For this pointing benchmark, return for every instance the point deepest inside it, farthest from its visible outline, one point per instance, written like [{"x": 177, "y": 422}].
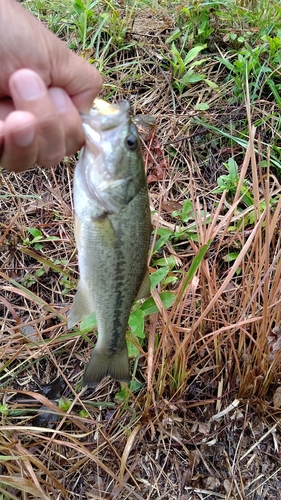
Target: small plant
[
  {"x": 38, "y": 238},
  {"x": 183, "y": 66},
  {"x": 85, "y": 19},
  {"x": 101, "y": 29},
  {"x": 256, "y": 66},
  {"x": 64, "y": 403},
  {"x": 194, "y": 22},
  {"x": 229, "y": 182},
  {"x": 30, "y": 279}
]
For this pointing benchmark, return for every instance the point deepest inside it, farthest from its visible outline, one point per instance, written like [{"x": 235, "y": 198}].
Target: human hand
[{"x": 43, "y": 87}]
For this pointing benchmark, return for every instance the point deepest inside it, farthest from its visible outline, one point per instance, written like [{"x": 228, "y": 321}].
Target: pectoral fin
[
  {"x": 77, "y": 231},
  {"x": 105, "y": 231},
  {"x": 144, "y": 290},
  {"x": 81, "y": 307}
]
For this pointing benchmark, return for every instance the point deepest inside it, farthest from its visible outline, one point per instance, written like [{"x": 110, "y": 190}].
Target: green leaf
[
  {"x": 79, "y": 6},
  {"x": 191, "y": 77},
  {"x": 135, "y": 385},
  {"x": 193, "y": 268},
  {"x": 37, "y": 238},
  {"x": 166, "y": 261},
  {"x": 136, "y": 323},
  {"x": 39, "y": 272},
  {"x": 165, "y": 235},
  {"x": 149, "y": 306},
  {"x": 175, "y": 52},
  {"x": 211, "y": 84},
  {"x": 231, "y": 256},
  {"x": 122, "y": 395},
  {"x": 174, "y": 36},
  {"x": 34, "y": 232},
  {"x": 133, "y": 351},
  {"x": 170, "y": 279},
  {"x": 84, "y": 414},
  {"x": 187, "y": 209},
  {"x": 232, "y": 168},
  {"x": 88, "y": 324},
  {"x": 64, "y": 403},
  {"x": 158, "y": 276},
  {"x": 52, "y": 238},
  {"x": 227, "y": 63},
  {"x": 202, "y": 106},
  {"x": 4, "y": 409},
  {"x": 193, "y": 53}
]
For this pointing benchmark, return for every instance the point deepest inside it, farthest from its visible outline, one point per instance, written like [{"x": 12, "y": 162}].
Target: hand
[{"x": 43, "y": 87}]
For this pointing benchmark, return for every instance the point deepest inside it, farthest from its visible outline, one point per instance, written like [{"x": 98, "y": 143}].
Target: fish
[{"x": 112, "y": 233}]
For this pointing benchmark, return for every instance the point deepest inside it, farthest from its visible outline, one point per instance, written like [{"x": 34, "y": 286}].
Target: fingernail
[
  {"x": 28, "y": 85},
  {"x": 23, "y": 137},
  {"x": 60, "y": 99}
]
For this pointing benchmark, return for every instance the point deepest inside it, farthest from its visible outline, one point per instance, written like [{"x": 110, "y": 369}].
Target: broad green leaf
[
  {"x": 166, "y": 261},
  {"x": 133, "y": 351},
  {"x": 170, "y": 279},
  {"x": 35, "y": 232},
  {"x": 164, "y": 234},
  {"x": 88, "y": 324},
  {"x": 79, "y": 6},
  {"x": 231, "y": 256},
  {"x": 232, "y": 168},
  {"x": 135, "y": 385},
  {"x": 136, "y": 323},
  {"x": 175, "y": 52},
  {"x": 193, "y": 53},
  {"x": 37, "y": 238},
  {"x": 191, "y": 77},
  {"x": 149, "y": 306},
  {"x": 158, "y": 276}
]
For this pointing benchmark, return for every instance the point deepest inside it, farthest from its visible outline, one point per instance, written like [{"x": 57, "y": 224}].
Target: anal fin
[{"x": 81, "y": 308}]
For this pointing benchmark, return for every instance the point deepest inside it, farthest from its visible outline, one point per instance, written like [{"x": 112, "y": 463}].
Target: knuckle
[{"x": 50, "y": 158}]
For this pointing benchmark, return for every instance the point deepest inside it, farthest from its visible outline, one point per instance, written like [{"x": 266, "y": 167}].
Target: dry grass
[{"x": 205, "y": 422}]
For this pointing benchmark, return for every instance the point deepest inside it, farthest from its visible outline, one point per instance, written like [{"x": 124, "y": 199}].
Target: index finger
[{"x": 76, "y": 76}]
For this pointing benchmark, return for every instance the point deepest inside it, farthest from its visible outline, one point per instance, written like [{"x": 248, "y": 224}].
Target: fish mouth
[{"x": 105, "y": 116}]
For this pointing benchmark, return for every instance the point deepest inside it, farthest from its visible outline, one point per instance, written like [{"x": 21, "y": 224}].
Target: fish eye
[{"x": 131, "y": 142}]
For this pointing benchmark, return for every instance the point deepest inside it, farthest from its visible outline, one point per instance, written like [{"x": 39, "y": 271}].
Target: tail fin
[{"x": 102, "y": 365}]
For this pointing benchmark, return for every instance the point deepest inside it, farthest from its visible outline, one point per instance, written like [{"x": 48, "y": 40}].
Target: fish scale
[{"x": 112, "y": 230}]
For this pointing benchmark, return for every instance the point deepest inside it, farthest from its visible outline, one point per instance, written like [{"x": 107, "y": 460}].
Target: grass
[{"x": 200, "y": 419}]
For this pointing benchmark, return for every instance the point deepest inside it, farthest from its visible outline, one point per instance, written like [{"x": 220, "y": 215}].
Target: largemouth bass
[{"x": 112, "y": 232}]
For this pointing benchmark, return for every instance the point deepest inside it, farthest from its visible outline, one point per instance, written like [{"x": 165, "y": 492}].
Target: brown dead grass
[{"x": 205, "y": 423}]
